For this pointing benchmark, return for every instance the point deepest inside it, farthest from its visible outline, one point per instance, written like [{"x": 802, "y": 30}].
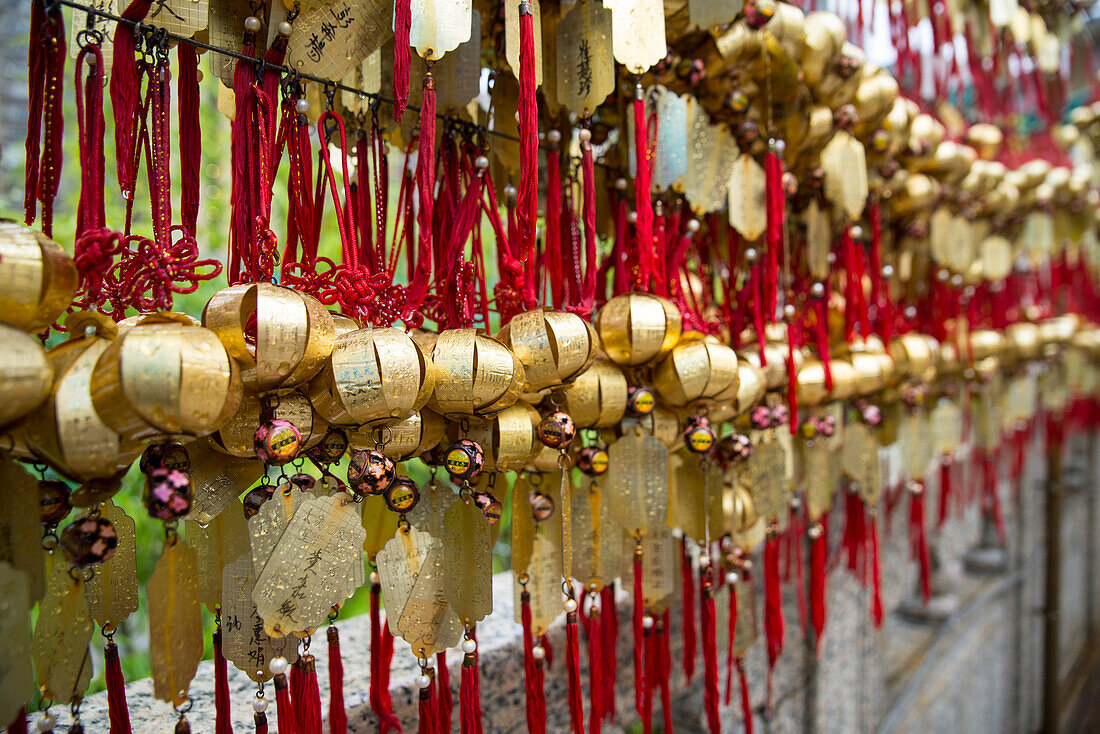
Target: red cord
[
  {"x": 573, "y": 672},
  {"x": 636, "y": 621},
  {"x": 223, "y": 719},
  {"x": 819, "y": 550},
  {"x": 687, "y": 601},
  {"x": 610, "y": 619},
  {"x": 710, "y": 652},
  {"x": 337, "y": 715},
  {"x": 445, "y": 703},
  {"x": 731, "y": 639},
  {"x": 190, "y": 136},
  {"x": 746, "y": 703},
  {"x": 773, "y": 601},
  {"x": 876, "y": 574},
  {"x": 533, "y": 672},
  {"x": 402, "y": 57},
  {"x": 643, "y": 203},
  {"x": 527, "y": 202},
  {"x": 117, "y": 709},
  {"x": 285, "y": 710},
  {"x": 918, "y": 540}
]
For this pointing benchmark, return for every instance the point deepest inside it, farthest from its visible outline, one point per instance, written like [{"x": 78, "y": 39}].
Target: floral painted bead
[
  {"x": 593, "y": 460},
  {"x": 780, "y": 415},
  {"x": 277, "y": 442},
  {"x": 735, "y": 448},
  {"x": 167, "y": 494},
  {"x": 872, "y": 414},
  {"x": 255, "y": 499},
  {"x": 53, "y": 501},
  {"x": 557, "y": 430},
  {"x": 542, "y": 506},
  {"x": 172, "y": 456},
  {"x": 89, "y": 540},
  {"x": 490, "y": 506},
  {"x": 332, "y": 447},
  {"x": 370, "y": 472},
  {"x": 761, "y": 417}
]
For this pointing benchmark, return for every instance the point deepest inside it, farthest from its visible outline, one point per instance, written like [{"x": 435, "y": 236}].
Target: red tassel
[
  {"x": 190, "y": 134},
  {"x": 945, "y": 489},
  {"x": 527, "y": 200},
  {"x": 746, "y": 702},
  {"x": 445, "y": 701},
  {"x": 307, "y": 698},
  {"x": 819, "y": 550},
  {"x": 260, "y": 719},
  {"x": 775, "y": 206},
  {"x": 918, "y": 540},
  {"x": 643, "y": 202},
  {"x": 610, "y": 618},
  {"x": 469, "y": 695},
  {"x": 287, "y": 720},
  {"x": 573, "y": 670},
  {"x": 425, "y": 186},
  {"x": 594, "y": 630},
  {"x": 117, "y": 709},
  {"x": 687, "y": 595},
  {"x": 773, "y": 601},
  {"x": 125, "y": 89},
  {"x": 45, "y": 119},
  {"x": 855, "y": 534},
  {"x": 876, "y": 573},
  {"x": 381, "y": 652},
  {"x": 428, "y": 709},
  {"x": 731, "y": 637},
  {"x": 588, "y": 215},
  {"x": 651, "y": 675},
  {"x": 337, "y": 716},
  {"x": 710, "y": 652},
  {"x": 639, "y": 632},
  {"x": 532, "y": 670},
  {"x": 223, "y": 721},
  {"x": 665, "y": 668},
  {"x": 402, "y": 56}
]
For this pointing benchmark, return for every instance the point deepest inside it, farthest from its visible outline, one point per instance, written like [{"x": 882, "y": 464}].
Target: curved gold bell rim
[
  {"x": 1025, "y": 340},
  {"x": 597, "y": 398},
  {"x": 38, "y": 279},
  {"x": 554, "y": 347},
  {"x": 986, "y": 343},
  {"x": 26, "y": 375},
  {"x": 475, "y": 375},
  {"x": 508, "y": 438},
  {"x": 638, "y": 328}
]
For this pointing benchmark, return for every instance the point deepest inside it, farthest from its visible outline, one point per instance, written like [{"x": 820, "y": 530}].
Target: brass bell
[
  {"x": 475, "y": 374},
  {"x": 38, "y": 279},
  {"x": 699, "y": 369},
  {"x": 638, "y": 328},
  {"x": 554, "y": 347}
]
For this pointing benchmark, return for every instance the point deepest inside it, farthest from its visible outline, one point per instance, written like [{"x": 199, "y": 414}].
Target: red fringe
[
  {"x": 445, "y": 700},
  {"x": 307, "y": 700},
  {"x": 819, "y": 551},
  {"x": 876, "y": 574},
  {"x": 642, "y": 200},
  {"x": 639, "y": 632},
  {"x": 117, "y": 709},
  {"x": 190, "y": 134},
  {"x": 425, "y": 185},
  {"x": 532, "y": 670},
  {"x": 223, "y": 719},
  {"x": 918, "y": 541},
  {"x": 287, "y": 720},
  {"x": 428, "y": 709},
  {"x": 381, "y": 652},
  {"x": 710, "y": 653},
  {"x": 746, "y": 702},
  {"x": 527, "y": 199},
  {"x": 260, "y": 720},
  {"x": 588, "y": 216},
  {"x": 855, "y": 534},
  {"x": 687, "y": 594},
  {"x": 651, "y": 675},
  {"x": 731, "y": 638},
  {"x": 125, "y": 89},
  {"x": 775, "y": 206},
  {"x": 402, "y": 56},
  {"x": 945, "y": 490},
  {"x": 559, "y": 292},
  {"x": 469, "y": 696},
  {"x": 665, "y": 678},
  {"x": 45, "y": 120},
  {"x": 773, "y": 601},
  {"x": 337, "y": 716},
  {"x": 573, "y": 670},
  {"x": 610, "y": 618}
]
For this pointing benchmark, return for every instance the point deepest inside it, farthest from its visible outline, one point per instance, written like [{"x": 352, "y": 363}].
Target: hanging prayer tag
[
  {"x": 458, "y": 74},
  {"x": 766, "y": 474},
  {"x": 544, "y": 581},
  {"x": 711, "y": 13},
  {"x": 468, "y": 562},
  {"x": 20, "y": 544},
  {"x": 439, "y": 26},
  {"x": 685, "y": 501},
  {"x": 367, "y": 76},
  {"x": 845, "y": 167},
  {"x": 583, "y": 513},
  {"x": 747, "y": 213},
  {"x": 217, "y": 480},
  {"x": 61, "y": 636},
  {"x": 313, "y": 567},
  {"x": 523, "y": 525},
  {"x": 175, "y": 622},
  {"x": 638, "y": 33},
  {"x": 746, "y": 631},
  {"x": 266, "y": 527},
  {"x": 659, "y": 559},
  {"x": 330, "y": 39},
  {"x": 819, "y": 237},
  {"x": 16, "y": 676},
  {"x": 410, "y": 569},
  {"x": 100, "y": 24},
  {"x": 216, "y": 545},
  {"x": 226, "y": 23},
  {"x": 672, "y": 143},
  {"x": 511, "y": 36},
  {"x": 432, "y": 508},
  {"x": 244, "y": 641},
  {"x": 860, "y": 460},
  {"x": 112, "y": 591},
  {"x": 182, "y": 17},
  {"x": 637, "y": 482},
  {"x": 586, "y": 69},
  {"x": 379, "y": 523}
]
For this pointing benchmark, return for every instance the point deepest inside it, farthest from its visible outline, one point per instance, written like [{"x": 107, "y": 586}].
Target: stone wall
[{"x": 978, "y": 670}]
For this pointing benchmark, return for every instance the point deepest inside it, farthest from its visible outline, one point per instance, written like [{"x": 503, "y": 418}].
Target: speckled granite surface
[{"x": 978, "y": 672}]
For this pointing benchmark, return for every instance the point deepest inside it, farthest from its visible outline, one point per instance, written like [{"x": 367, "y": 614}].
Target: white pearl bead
[
  {"x": 693, "y": 225},
  {"x": 423, "y": 681},
  {"x": 887, "y": 271},
  {"x": 301, "y": 106},
  {"x": 632, "y": 217},
  {"x": 482, "y": 162},
  {"x": 259, "y": 705},
  {"x": 285, "y": 28},
  {"x": 585, "y": 135},
  {"x": 569, "y": 606},
  {"x": 252, "y": 23},
  {"x": 469, "y": 646},
  {"x": 732, "y": 578},
  {"x": 647, "y": 622},
  {"x": 277, "y": 665},
  {"x": 788, "y": 311},
  {"x": 780, "y": 147},
  {"x": 538, "y": 652},
  {"x": 856, "y": 232},
  {"x": 47, "y": 722},
  {"x": 751, "y": 254},
  {"x": 554, "y": 136},
  {"x": 509, "y": 190},
  {"x": 621, "y": 184},
  {"x": 704, "y": 561},
  {"x": 747, "y": 564}
]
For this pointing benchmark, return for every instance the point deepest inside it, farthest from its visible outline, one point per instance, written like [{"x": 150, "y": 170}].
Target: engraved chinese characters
[
  {"x": 586, "y": 72},
  {"x": 245, "y": 642},
  {"x": 331, "y": 38}
]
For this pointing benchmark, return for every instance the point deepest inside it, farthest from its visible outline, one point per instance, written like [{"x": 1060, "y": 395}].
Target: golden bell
[
  {"x": 508, "y": 438},
  {"x": 38, "y": 279},
  {"x": 553, "y": 346},
  {"x": 237, "y": 436},
  {"x": 638, "y": 328},
  {"x": 774, "y": 363},
  {"x": 67, "y": 431},
  {"x": 699, "y": 369},
  {"x": 597, "y": 398},
  {"x": 986, "y": 343},
  {"x": 475, "y": 374},
  {"x": 375, "y": 376},
  {"x": 25, "y": 375},
  {"x": 950, "y": 363},
  {"x": 293, "y": 333},
  {"x": 913, "y": 357},
  {"x": 166, "y": 377},
  {"x": 751, "y": 388},
  {"x": 1057, "y": 331},
  {"x": 744, "y": 511},
  {"x": 811, "y": 382},
  {"x": 342, "y": 323},
  {"x": 874, "y": 367},
  {"x": 421, "y": 431}
]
